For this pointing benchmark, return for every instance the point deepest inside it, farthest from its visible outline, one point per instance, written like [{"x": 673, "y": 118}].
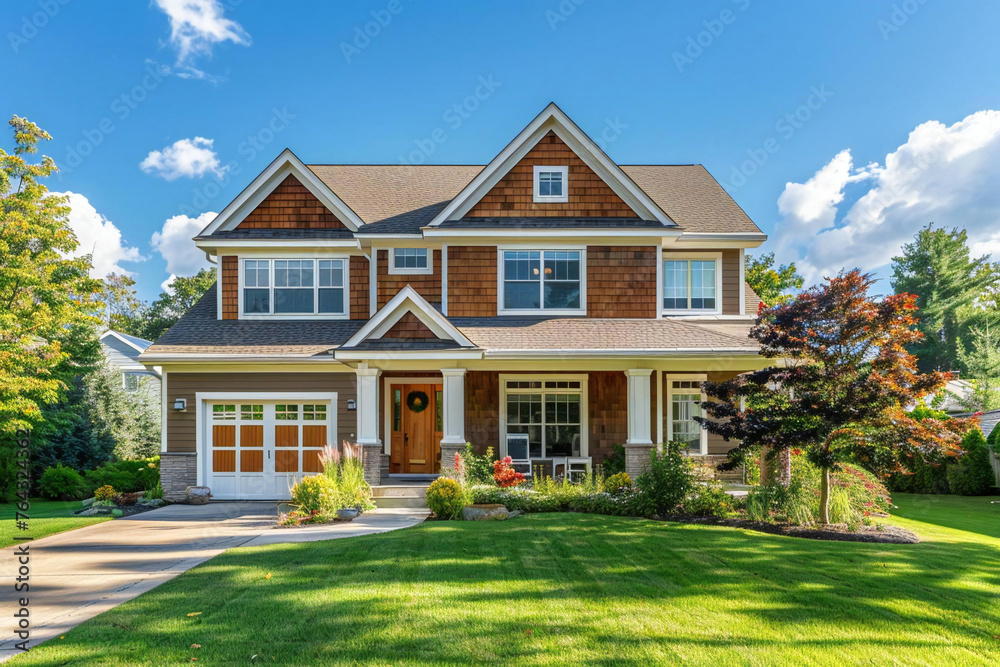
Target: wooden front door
[{"x": 416, "y": 428}]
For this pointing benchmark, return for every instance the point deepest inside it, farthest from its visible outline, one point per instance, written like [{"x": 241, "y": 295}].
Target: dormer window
[
  {"x": 551, "y": 184},
  {"x": 294, "y": 288},
  {"x": 409, "y": 261}
]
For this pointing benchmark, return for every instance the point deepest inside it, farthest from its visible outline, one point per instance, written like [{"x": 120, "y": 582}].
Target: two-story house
[{"x": 411, "y": 309}]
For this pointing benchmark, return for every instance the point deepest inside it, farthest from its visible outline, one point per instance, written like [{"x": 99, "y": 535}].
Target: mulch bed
[{"x": 838, "y": 532}]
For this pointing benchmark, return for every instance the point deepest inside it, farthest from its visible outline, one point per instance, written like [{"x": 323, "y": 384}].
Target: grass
[
  {"x": 46, "y": 517},
  {"x": 575, "y": 589}
]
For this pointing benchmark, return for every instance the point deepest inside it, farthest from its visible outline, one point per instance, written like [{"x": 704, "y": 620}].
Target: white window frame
[
  {"x": 669, "y": 392},
  {"x": 550, "y": 199},
  {"x": 688, "y": 256},
  {"x": 270, "y": 259},
  {"x": 582, "y": 310},
  {"x": 548, "y": 377},
  {"x": 405, "y": 271}
]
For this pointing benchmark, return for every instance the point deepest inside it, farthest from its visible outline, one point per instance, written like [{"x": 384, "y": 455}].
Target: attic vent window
[{"x": 551, "y": 184}]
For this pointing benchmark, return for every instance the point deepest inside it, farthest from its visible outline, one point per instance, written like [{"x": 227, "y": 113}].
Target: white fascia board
[
  {"x": 372, "y": 237},
  {"x": 392, "y": 355},
  {"x": 240, "y": 358},
  {"x": 637, "y": 352},
  {"x": 286, "y": 163},
  {"x": 408, "y": 300},
  {"x": 220, "y": 244},
  {"x": 710, "y": 236},
  {"x": 115, "y": 334},
  {"x": 553, "y": 118},
  {"x": 580, "y": 233}
]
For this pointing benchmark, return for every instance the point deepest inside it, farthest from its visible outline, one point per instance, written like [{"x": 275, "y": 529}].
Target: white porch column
[
  {"x": 453, "y": 438},
  {"x": 640, "y": 442},
  {"x": 371, "y": 446}
]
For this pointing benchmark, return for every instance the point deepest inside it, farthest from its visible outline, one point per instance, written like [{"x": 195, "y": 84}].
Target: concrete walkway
[{"x": 78, "y": 574}]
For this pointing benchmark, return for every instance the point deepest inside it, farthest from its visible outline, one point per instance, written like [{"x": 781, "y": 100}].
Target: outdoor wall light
[
  {"x": 180, "y": 404},
  {"x": 351, "y": 404}
]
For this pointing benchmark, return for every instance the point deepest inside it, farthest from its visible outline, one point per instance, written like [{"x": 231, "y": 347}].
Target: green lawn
[
  {"x": 47, "y": 517},
  {"x": 575, "y": 589}
]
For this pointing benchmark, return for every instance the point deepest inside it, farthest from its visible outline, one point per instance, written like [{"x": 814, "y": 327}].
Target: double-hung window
[
  {"x": 294, "y": 287},
  {"x": 684, "y": 401},
  {"x": 691, "y": 285},
  {"x": 551, "y": 411},
  {"x": 404, "y": 261},
  {"x": 551, "y": 184},
  {"x": 539, "y": 281}
]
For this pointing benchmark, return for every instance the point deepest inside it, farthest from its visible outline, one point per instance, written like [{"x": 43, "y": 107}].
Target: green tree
[
  {"x": 48, "y": 302},
  {"x": 171, "y": 306},
  {"x": 948, "y": 282},
  {"x": 124, "y": 311},
  {"x": 770, "y": 283},
  {"x": 843, "y": 388},
  {"x": 131, "y": 421},
  {"x": 972, "y": 475},
  {"x": 981, "y": 363}
]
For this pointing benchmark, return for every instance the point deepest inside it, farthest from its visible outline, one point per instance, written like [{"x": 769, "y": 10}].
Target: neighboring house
[
  {"x": 411, "y": 309},
  {"x": 955, "y": 396},
  {"x": 987, "y": 420},
  {"x": 122, "y": 351}
]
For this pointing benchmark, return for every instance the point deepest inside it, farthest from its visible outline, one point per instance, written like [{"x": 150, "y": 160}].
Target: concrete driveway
[{"x": 79, "y": 574}]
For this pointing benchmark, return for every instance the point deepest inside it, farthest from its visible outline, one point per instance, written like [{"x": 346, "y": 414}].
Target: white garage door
[{"x": 258, "y": 450}]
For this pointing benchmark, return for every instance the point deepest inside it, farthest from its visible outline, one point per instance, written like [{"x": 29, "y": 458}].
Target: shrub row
[{"x": 64, "y": 483}]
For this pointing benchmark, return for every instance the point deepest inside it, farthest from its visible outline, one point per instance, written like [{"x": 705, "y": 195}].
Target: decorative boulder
[
  {"x": 485, "y": 513},
  {"x": 197, "y": 495},
  {"x": 88, "y": 502}
]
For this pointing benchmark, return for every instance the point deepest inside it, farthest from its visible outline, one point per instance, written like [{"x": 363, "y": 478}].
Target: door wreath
[{"x": 417, "y": 401}]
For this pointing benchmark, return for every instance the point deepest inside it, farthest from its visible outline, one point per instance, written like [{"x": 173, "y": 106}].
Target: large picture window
[
  {"x": 550, "y": 412},
  {"x": 691, "y": 285},
  {"x": 295, "y": 287},
  {"x": 542, "y": 280}
]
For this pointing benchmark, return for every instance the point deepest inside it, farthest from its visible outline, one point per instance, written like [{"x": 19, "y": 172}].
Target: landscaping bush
[
  {"x": 104, "y": 493},
  {"x": 316, "y": 494},
  {"x": 505, "y": 475},
  {"x": 62, "y": 483},
  {"x": 155, "y": 493},
  {"x": 127, "y": 476},
  {"x": 347, "y": 473},
  {"x": 710, "y": 500},
  {"x": 667, "y": 482},
  {"x": 972, "y": 475},
  {"x": 615, "y": 463},
  {"x": 446, "y": 498},
  {"x": 125, "y": 499},
  {"x": 618, "y": 483},
  {"x": 515, "y": 498},
  {"x": 478, "y": 469}
]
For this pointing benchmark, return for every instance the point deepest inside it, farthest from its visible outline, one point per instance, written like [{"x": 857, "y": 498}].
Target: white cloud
[
  {"x": 98, "y": 236},
  {"x": 175, "y": 244},
  {"x": 942, "y": 174},
  {"x": 195, "y": 27},
  {"x": 186, "y": 157}
]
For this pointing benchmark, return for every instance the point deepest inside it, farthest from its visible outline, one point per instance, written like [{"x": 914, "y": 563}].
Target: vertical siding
[{"x": 181, "y": 436}]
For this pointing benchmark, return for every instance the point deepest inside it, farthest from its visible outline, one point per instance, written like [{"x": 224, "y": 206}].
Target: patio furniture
[{"x": 578, "y": 465}]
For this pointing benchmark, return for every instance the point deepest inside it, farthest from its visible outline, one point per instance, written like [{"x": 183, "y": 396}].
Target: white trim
[
  {"x": 407, "y": 300},
  {"x": 163, "y": 413},
  {"x": 286, "y": 163},
  {"x": 395, "y": 271},
  {"x": 743, "y": 286},
  {"x": 576, "y": 233},
  {"x": 444, "y": 280},
  {"x": 373, "y": 282},
  {"x": 723, "y": 236},
  {"x": 668, "y": 256},
  {"x": 270, "y": 259},
  {"x": 659, "y": 410},
  {"x": 539, "y": 198},
  {"x": 223, "y": 245},
  {"x": 659, "y": 287},
  {"x": 552, "y": 118},
  {"x": 639, "y": 395},
  {"x": 112, "y": 332},
  {"x": 626, "y": 352},
  {"x": 542, "y": 249},
  {"x": 399, "y": 355},
  {"x": 582, "y": 378},
  {"x": 668, "y": 384}
]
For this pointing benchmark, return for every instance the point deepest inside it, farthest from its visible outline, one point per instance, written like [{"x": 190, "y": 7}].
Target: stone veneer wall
[{"x": 178, "y": 471}]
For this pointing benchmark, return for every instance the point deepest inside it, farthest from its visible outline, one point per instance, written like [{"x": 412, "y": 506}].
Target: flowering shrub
[
  {"x": 446, "y": 498},
  {"x": 505, "y": 475},
  {"x": 316, "y": 494},
  {"x": 106, "y": 492},
  {"x": 478, "y": 469},
  {"x": 618, "y": 483}
]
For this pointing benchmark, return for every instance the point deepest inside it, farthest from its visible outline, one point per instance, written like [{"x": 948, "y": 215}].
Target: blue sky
[{"x": 709, "y": 82}]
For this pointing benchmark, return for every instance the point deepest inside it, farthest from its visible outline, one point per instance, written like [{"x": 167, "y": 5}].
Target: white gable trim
[
  {"x": 408, "y": 301},
  {"x": 284, "y": 165},
  {"x": 552, "y": 118},
  {"x": 115, "y": 334}
]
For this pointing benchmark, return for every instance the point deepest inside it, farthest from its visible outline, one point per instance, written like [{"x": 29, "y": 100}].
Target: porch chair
[{"x": 517, "y": 450}]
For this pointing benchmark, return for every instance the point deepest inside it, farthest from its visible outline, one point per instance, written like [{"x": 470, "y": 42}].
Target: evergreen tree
[{"x": 947, "y": 282}]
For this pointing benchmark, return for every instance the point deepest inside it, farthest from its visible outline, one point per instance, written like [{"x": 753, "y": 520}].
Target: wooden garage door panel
[
  {"x": 224, "y": 460},
  {"x": 251, "y": 435},
  {"x": 224, "y": 435},
  {"x": 314, "y": 435},
  {"x": 286, "y": 436},
  {"x": 286, "y": 461},
  {"x": 310, "y": 461},
  {"x": 252, "y": 460}
]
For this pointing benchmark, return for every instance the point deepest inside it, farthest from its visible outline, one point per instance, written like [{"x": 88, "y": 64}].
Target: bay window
[
  {"x": 542, "y": 280},
  {"x": 692, "y": 285},
  {"x": 552, "y": 412},
  {"x": 294, "y": 287}
]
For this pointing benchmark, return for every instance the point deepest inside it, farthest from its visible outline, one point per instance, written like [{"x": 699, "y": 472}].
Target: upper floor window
[
  {"x": 551, "y": 184},
  {"x": 130, "y": 382},
  {"x": 546, "y": 281},
  {"x": 692, "y": 285},
  {"x": 410, "y": 261},
  {"x": 295, "y": 287}
]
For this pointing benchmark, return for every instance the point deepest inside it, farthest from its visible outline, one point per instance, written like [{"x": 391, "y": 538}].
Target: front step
[{"x": 409, "y": 495}]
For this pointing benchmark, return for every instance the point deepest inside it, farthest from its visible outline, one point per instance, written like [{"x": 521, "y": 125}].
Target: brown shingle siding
[
  {"x": 291, "y": 206},
  {"x": 427, "y": 285},
  {"x": 409, "y": 326},
  {"x": 230, "y": 287},
  {"x": 589, "y": 196},
  {"x": 472, "y": 281},
  {"x": 621, "y": 281},
  {"x": 359, "y": 288}
]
